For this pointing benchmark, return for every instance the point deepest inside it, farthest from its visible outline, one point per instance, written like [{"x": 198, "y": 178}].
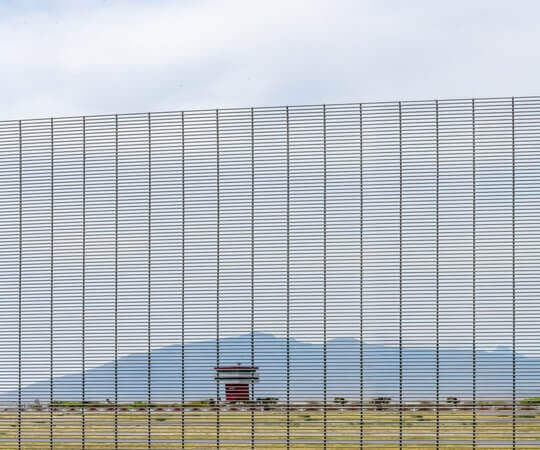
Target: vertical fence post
[
  {"x": 51, "y": 337},
  {"x": 83, "y": 289},
  {"x": 361, "y": 280},
  {"x": 437, "y": 281},
  {"x": 325, "y": 350},
  {"x": 116, "y": 206},
  {"x": 514, "y": 392},
  {"x": 252, "y": 273},
  {"x": 183, "y": 291},
  {"x": 473, "y": 275},
  {"x": 149, "y": 311},
  {"x": 218, "y": 278},
  {"x": 288, "y": 281},
  {"x": 19, "y": 324},
  {"x": 400, "y": 280}
]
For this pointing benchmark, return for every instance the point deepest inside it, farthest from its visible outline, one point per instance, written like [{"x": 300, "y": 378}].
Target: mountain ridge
[{"x": 341, "y": 356}]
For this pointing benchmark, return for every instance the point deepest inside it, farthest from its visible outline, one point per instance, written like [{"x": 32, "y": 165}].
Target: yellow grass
[{"x": 266, "y": 425}]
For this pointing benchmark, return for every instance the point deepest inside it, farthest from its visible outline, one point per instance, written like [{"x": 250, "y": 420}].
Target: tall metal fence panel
[{"x": 328, "y": 276}]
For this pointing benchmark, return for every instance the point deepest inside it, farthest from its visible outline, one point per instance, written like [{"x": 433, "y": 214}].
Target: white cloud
[{"x": 98, "y": 57}]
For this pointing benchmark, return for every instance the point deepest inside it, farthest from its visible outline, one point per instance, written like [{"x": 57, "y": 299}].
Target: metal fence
[{"x": 375, "y": 266}]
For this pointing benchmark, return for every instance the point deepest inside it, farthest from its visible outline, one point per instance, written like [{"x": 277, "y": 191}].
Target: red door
[{"x": 235, "y": 392}]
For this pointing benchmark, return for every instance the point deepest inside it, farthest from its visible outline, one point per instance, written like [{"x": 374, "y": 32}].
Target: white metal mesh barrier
[{"x": 330, "y": 276}]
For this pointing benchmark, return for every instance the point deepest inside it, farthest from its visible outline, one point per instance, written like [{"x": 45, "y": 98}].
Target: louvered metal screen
[{"x": 376, "y": 264}]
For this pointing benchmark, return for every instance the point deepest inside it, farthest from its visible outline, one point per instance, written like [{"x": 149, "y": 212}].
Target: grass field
[{"x": 344, "y": 429}]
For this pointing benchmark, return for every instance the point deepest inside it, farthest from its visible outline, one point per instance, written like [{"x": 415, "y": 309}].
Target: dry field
[{"x": 343, "y": 429}]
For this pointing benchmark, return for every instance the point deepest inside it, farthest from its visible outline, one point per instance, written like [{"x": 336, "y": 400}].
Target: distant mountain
[{"x": 381, "y": 373}]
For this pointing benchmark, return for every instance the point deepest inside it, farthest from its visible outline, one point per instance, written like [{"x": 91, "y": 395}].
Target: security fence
[{"x": 329, "y": 276}]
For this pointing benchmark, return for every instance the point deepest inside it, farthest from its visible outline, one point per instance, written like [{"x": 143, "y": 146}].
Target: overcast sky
[{"x": 88, "y": 57}]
